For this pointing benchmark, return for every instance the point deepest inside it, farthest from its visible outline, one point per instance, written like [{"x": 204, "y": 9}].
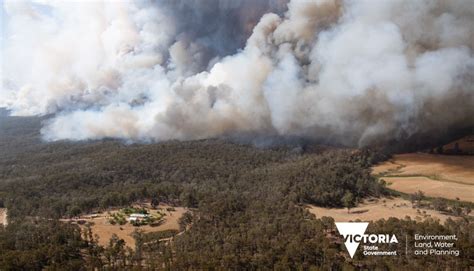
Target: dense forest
[{"x": 247, "y": 202}]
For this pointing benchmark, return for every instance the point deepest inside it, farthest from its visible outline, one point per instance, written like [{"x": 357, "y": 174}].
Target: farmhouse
[{"x": 137, "y": 217}]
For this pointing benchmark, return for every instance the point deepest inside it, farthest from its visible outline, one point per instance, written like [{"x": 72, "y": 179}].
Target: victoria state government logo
[{"x": 354, "y": 234}]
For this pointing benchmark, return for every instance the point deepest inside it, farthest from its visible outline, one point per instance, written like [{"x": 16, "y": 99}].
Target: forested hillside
[{"x": 248, "y": 204}]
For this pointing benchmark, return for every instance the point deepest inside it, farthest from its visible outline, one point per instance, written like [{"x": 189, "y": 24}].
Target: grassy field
[
  {"x": 378, "y": 209},
  {"x": 432, "y": 188},
  {"x": 446, "y": 176},
  {"x": 449, "y": 168}
]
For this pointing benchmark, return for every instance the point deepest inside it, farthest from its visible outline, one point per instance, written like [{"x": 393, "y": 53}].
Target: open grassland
[
  {"x": 431, "y": 187},
  {"x": 448, "y": 168},
  {"x": 446, "y": 176},
  {"x": 378, "y": 209}
]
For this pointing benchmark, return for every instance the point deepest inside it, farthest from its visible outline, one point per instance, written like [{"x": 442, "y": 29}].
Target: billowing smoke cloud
[{"x": 348, "y": 71}]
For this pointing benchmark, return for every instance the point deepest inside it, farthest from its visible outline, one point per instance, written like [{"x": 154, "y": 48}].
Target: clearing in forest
[
  {"x": 375, "y": 209},
  {"x": 3, "y": 217},
  {"x": 106, "y": 224},
  {"x": 446, "y": 176}
]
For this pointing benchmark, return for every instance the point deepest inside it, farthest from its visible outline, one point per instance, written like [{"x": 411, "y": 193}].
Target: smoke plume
[{"x": 353, "y": 72}]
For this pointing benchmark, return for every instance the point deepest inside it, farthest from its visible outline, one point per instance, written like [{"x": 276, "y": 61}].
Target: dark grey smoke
[{"x": 220, "y": 27}]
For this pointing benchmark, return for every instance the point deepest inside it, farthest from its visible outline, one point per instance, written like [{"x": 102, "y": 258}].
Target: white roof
[{"x": 138, "y": 215}]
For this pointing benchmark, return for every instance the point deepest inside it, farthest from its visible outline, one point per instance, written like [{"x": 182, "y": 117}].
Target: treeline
[
  {"x": 41, "y": 244},
  {"x": 58, "y": 184}
]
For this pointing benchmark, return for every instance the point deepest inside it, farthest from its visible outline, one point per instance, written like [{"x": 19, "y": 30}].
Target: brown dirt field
[
  {"x": 378, "y": 209},
  {"x": 431, "y": 187},
  {"x": 3, "y": 217},
  {"x": 104, "y": 229},
  {"x": 446, "y": 176},
  {"x": 451, "y": 168},
  {"x": 465, "y": 144},
  {"x": 386, "y": 167}
]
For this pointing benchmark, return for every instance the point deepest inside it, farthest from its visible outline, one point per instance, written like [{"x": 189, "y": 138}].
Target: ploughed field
[{"x": 446, "y": 176}]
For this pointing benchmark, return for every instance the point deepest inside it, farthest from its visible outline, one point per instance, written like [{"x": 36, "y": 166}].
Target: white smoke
[{"x": 351, "y": 71}]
